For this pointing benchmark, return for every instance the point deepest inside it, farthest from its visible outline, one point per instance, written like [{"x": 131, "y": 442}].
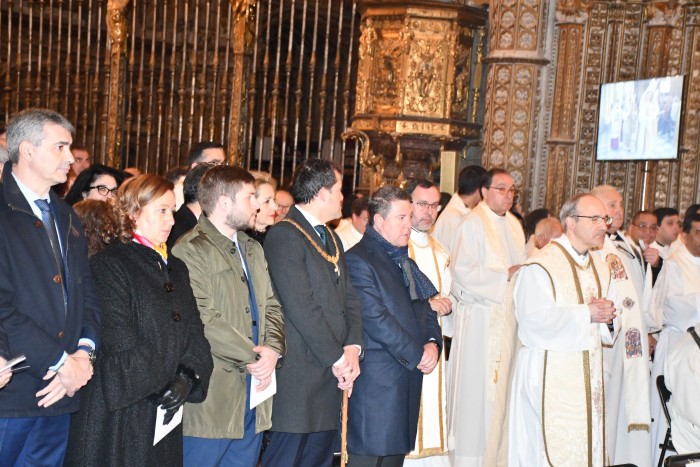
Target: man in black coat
[
  {"x": 48, "y": 306},
  {"x": 401, "y": 333},
  {"x": 323, "y": 326}
]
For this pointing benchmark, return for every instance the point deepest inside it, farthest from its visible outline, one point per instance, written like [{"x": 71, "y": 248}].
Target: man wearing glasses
[
  {"x": 642, "y": 231},
  {"x": 488, "y": 249},
  {"x": 625, "y": 362}
]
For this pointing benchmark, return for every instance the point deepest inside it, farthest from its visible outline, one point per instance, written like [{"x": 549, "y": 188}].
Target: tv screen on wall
[{"x": 640, "y": 120}]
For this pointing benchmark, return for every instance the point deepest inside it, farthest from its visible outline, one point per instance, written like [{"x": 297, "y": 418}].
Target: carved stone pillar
[
  {"x": 117, "y": 29},
  {"x": 414, "y": 85},
  {"x": 515, "y": 62},
  {"x": 570, "y": 20},
  {"x": 243, "y": 36}
]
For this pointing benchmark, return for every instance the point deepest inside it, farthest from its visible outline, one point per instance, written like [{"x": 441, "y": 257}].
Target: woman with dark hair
[
  {"x": 99, "y": 222},
  {"x": 96, "y": 182},
  {"x": 154, "y": 353}
]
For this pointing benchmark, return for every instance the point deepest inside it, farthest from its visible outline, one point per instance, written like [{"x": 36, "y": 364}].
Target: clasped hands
[
  {"x": 602, "y": 310},
  {"x": 348, "y": 369},
  {"x": 6, "y": 375},
  {"x": 75, "y": 372}
]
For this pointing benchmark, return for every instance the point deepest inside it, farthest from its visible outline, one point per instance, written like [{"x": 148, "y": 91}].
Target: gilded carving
[{"x": 117, "y": 30}]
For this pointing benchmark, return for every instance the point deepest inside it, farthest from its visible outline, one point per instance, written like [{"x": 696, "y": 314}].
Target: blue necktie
[
  {"x": 251, "y": 294},
  {"x": 50, "y": 226},
  {"x": 321, "y": 229}
]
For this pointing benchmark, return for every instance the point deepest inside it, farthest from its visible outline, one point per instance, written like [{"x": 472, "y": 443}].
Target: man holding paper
[{"x": 242, "y": 321}]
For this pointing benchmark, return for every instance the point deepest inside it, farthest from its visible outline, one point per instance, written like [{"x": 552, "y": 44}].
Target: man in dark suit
[
  {"x": 323, "y": 326},
  {"x": 48, "y": 306},
  {"x": 401, "y": 334},
  {"x": 186, "y": 217}
]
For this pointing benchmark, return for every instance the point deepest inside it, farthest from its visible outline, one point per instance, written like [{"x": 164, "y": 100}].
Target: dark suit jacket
[
  {"x": 385, "y": 403},
  {"x": 185, "y": 220},
  {"x": 40, "y": 319},
  {"x": 321, "y": 316}
]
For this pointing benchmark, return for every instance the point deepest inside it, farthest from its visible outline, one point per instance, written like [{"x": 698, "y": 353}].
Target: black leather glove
[{"x": 175, "y": 393}]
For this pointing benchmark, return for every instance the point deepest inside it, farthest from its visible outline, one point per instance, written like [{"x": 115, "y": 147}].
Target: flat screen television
[{"x": 640, "y": 120}]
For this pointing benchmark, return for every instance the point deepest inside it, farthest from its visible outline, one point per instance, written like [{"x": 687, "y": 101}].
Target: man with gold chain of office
[{"x": 433, "y": 260}]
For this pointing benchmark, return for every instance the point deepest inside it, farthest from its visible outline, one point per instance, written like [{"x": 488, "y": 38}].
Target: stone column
[{"x": 516, "y": 61}]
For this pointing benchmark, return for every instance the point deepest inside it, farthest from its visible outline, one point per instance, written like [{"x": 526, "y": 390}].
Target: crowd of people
[{"x": 231, "y": 322}]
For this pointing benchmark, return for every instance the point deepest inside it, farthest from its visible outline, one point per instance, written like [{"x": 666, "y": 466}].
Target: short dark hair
[
  {"x": 221, "y": 180},
  {"x": 636, "y": 217},
  {"x": 87, "y": 177},
  {"x": 471, "y": 178},
  {"x": 198, "y": 148},
  {"x": 312, "y": 175},
  {"x": 488, "y": 177},
  {"x": 359, "y": 205},
  {"x": 190, "y": 187},
  {"x": 28, "y": 125},
  {"x": 421, "y": 182},
  {"x": 691, "y": 209},
  {"x": 382, "y": 199},
  {"x": 662, "y": 213},
  {"x": 174, "y": 174},
  {"x": 689, "y": 219},
  {"x": 533, "y": 218}
]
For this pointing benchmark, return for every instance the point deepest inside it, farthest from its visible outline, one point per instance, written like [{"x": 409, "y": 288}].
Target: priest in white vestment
[
  {"x": 562, "y": 301},
  {"x": 669, "y": 224},
  {"x": 462, "y": 202},
  {"x": 433, "y": 261},
  {"x": 683, "y": 380},
  {"x": 488, "y": 250},
  {"x": 677, "y": 295},
  {"x": 351, "y": 231},
  {"x": 625, "y": 363}
]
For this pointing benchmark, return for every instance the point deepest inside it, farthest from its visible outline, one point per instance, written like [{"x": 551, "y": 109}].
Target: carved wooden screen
[{"x": 269, "y": 78}]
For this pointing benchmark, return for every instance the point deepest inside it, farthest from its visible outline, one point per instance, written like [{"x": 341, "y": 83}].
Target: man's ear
[{"x": 25, "y": 150}]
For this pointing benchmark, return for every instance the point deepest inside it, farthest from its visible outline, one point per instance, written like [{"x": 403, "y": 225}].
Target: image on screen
[{"x": 640, "y": 120}]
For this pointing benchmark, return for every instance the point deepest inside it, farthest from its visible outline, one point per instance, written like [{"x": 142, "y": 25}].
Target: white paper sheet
[
  {"x": 161, "y": 429},
  {"x": 257, "y": 397}
]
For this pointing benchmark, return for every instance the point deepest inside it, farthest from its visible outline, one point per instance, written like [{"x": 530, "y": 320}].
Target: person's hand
[
  {"x": 6, "y": 375},
  {"x": 651, "y": 256},
  {"x": 264, "y": 366},
  {"x": 53, "y": 392},
  {"x": 441, "y": 305},
  {"x": 602, "y": 310},
  {"x": 349, "y": 368},
  {"x": 512, "y": 270},
  {"x": 343, "y": 384},
  {"x": 652, "y": 345},
  {"x": 75, "y": 372},
  {"x": 429, "y": 359},
  {"x": 174, "y": 395}
]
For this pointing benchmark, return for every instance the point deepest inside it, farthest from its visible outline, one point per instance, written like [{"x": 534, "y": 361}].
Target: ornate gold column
[
  {"x": 414, "y": 85},
  {"x": 570, "y": 19},
  {"x": 117, "y": 31},
  {"x": 515, "y": 63},
  {"x": 243, "y": 36}
]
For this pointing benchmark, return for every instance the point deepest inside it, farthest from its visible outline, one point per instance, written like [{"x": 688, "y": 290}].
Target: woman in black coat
[{"x": 153, "y": 347}]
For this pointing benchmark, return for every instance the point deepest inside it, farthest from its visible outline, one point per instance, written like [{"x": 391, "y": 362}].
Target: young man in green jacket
[{"x": 242, "y": 321}]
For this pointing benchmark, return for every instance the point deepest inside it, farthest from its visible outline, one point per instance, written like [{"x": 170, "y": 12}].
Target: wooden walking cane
[{"x": 344, "y": 431}]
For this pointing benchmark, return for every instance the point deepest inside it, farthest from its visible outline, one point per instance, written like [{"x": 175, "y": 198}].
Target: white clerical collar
[
  {"x": 581, "y": 259},
  {"x": 419, "y": 238}
]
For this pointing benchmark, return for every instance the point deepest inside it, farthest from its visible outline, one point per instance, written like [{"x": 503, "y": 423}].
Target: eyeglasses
[
  {"x": 103, "y": 190},
  {"x": 645, "y": 227},
  {"x": 424, "y": 205},
  {"x": 504, "y": 191},
  {"x": 283, "y": 208},
  {"x": 595, "y": 220}
]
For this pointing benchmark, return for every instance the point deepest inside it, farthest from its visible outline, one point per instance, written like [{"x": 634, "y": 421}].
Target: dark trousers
[
  {"x": 376, "y": 461},
  {"x": 299, "y": 449},
  {"x": 35, "y": 441}
]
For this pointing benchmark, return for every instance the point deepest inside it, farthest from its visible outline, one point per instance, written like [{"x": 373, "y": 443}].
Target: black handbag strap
[{"x": 694, "y": 335}]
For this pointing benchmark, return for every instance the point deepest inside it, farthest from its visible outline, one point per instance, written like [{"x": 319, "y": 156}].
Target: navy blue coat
[
  {"x": 33, "y": 313},
  {"x": 385, "y": 403}
]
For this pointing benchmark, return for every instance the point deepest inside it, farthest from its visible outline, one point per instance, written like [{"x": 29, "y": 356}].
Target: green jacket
[{"x": 218, "y": 283}]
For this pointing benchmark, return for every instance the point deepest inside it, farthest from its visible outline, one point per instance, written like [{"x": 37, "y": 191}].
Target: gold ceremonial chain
[{"x": 331, "y": 259}]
